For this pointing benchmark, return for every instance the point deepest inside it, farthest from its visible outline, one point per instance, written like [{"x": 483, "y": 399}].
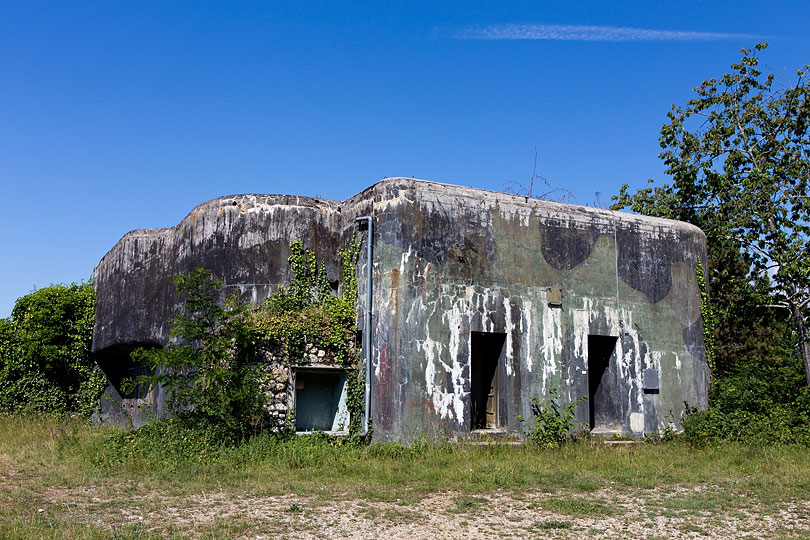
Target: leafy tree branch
[{"x": 739, "y": 157}]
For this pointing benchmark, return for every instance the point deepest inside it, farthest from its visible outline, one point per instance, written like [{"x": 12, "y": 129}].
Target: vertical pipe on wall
[
  {"x": 616, "y": 260},
  {"x": 367, "y": 321}
]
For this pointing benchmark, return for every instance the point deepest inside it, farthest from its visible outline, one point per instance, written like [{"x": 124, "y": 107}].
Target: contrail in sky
[{"x": 588, "y": 33}]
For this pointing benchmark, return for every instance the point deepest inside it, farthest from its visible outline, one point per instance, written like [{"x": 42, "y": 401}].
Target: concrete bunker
[{"x": 481, "y": 301}]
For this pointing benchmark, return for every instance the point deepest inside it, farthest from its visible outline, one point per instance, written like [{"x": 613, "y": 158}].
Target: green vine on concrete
[
  {"x": 348, "y": 269},
  {"x": 356, "y": 383},
  {"x": 306, "y": 314},
  {"x": 709, "y": 318},
  {"x": 356, "y": 400}
]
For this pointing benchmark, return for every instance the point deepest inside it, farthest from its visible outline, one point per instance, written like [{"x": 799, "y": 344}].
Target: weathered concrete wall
[
  {"x": 242, "y": 239},
  {"x": 449, "y": 261}
]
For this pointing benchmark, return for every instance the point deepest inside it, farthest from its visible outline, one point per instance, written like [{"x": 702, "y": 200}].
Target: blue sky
[{"x": 123, "y": 115}]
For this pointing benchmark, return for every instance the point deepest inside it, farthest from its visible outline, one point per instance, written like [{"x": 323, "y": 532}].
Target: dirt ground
[{"x": 666, "y": 512}]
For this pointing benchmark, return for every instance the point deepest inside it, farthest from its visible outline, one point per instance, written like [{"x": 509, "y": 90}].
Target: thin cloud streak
[{"x": 588, "y": 33}]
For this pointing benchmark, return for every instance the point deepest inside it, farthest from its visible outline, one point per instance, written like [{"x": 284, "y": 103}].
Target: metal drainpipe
[{"x": 367, "y": 322}]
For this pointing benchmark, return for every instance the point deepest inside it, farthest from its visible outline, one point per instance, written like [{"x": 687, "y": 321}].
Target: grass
[
  {"x": 577, "y": 506},
  {"x": 553, "y": 524},
  {"x": 67, "y": 479}
]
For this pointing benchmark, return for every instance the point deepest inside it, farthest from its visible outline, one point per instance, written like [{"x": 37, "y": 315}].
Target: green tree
[
  {"x": 45, "y": 359},
  {"x": 209, "y": 371},
  {"x": 739, "y": 157}
]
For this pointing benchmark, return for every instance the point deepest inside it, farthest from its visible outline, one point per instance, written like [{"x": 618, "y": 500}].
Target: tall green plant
[
  {"x": 208, "y": 370},
  {"x": 553, "y": 424}
]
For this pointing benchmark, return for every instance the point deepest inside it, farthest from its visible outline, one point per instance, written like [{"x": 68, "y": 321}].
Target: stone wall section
[{"x": 280, "y": 389}]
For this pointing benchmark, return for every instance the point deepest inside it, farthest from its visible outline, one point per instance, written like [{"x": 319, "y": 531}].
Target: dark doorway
[
  {"x": 486, "y": 349},
  {"x": 118, "y": 366},
  {"x": 602, "y": 406},
  {"x": 124, "y": 404}
]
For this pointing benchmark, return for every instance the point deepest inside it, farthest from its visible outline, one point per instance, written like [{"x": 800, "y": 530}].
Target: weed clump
[{"x": 553, "y": 425}]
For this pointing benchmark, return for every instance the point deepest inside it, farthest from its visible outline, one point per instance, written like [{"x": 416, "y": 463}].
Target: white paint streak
[
  {"x": 455, "y": 322},
  {"x": 526, "y": 328},
  {"x": 552, "y": 344},
  {"x": 405, "y": 257},
  {"x": 636, "y": 422},
  {"x": 629, "y": 363},
  {"x": 678, "y": 366},
  {"x": 510, "y": 346},
  {"x": 441, "y": 399},
  {"x": 524, "y": 218},
  {"x": 447, "y": 403}
]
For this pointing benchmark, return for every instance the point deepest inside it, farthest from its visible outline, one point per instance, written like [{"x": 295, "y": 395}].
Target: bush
[
  {"x": 764, "y": 404},
  {"x": 45, "y": 359},
  {"x": 782, "y": 425}
]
